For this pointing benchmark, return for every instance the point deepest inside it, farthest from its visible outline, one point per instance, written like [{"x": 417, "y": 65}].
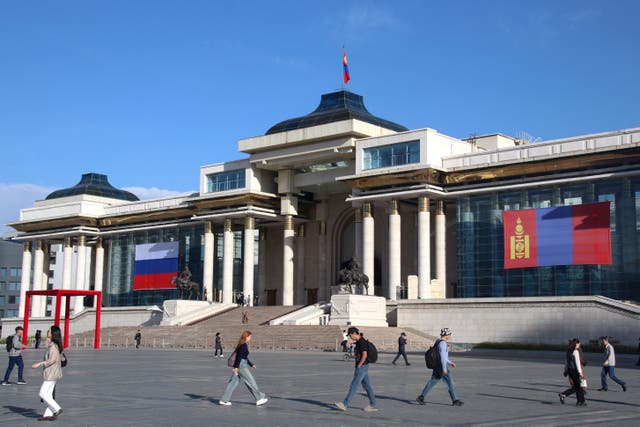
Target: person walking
[
  {"x": 573, "y": 369},
  {"x": 38, "y": 338},
  {"x": 218, "y": 344},
  {"x": 402, "y": 342},
  {"x": 361, "y": 373},
  {"x": 609, "y": 366},
  {"x": 343, "y": 343},
  {"x": 52, "y": 373},
  {"x": 441, "y": 372},
  {"x": 15, "y": 357},
  {"x": 138, "y": 338},
  {"x": 241, "y": 371}
]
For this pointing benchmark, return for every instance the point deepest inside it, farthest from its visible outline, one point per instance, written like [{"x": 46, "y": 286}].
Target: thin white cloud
[
  {"x": 20, "y": 196},
  {"x": 15, "y": 197}
]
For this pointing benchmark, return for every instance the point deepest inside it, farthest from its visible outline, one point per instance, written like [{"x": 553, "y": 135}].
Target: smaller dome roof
[
  {"x": 335, "y": 107},
  {"x": 94, "y": 184}
]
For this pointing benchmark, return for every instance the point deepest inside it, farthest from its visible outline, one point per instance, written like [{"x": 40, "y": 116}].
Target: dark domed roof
[
  {"x": 335, "y": 107},
  {"x": 94, "y": 184}
]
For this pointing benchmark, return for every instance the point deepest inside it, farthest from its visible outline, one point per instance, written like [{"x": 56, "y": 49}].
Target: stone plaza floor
[{"x": 130, "y": 387}]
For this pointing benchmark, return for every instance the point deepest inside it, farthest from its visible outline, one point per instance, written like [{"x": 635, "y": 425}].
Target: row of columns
[
  {"x": 41, "y": 268},
  {"x": 292, "y": 266},
  {"x": 395, "y": 246}
]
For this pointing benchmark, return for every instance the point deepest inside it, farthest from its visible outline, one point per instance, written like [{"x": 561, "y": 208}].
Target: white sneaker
[
  {"x": 262, "y": 401},
  {"x": 223, "y": 403}
]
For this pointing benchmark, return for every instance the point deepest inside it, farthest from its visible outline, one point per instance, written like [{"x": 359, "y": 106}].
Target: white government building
[{"x": 420, "y": 211}]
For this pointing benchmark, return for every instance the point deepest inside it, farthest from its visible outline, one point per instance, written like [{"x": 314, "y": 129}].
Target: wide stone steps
[{"x": 229, "y": 324}]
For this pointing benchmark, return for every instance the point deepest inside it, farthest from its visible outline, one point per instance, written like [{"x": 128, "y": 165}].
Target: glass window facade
[
  {"x": 122, "y": 250},
  {"x": 225, "y": 181},
  {"x": 191, "y": 237},
  {"x": 391, "y": 155},
  {"x": 480, "y": 245}
]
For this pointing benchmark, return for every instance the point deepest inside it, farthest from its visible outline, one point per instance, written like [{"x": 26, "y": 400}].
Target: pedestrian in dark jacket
[
  {"x": 573, "y": 369},
  {"x": 218, "y": 345},
  {"x": 402, "y": 342},
  {"x": 242, "y": 372}
]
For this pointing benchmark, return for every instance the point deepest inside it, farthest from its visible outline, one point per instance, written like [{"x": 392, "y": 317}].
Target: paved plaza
[{"x": 176, "y": 388}]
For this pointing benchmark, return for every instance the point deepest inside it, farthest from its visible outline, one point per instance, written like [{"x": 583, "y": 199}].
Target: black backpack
[
  {"x": 372, "y": 353},
  {"x": 9, "y": 342},
  {"x": 432, "y": 356}
]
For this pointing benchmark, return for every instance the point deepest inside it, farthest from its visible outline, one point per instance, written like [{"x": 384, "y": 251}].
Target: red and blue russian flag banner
[
  {"x": 562, "y": 235},
  {"x": 155, "y": 265},
  {"x": 345, "y": 68}
]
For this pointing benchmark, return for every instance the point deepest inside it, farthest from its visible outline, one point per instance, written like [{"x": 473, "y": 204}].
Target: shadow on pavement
[
  {"x": 25, "y": 412},
  {"x": 201, "y": 397}
]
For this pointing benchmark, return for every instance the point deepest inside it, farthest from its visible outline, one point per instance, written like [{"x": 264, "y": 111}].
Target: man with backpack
[
  {"x": 365, "y": 353},
  {"x": 440, "y": 350},
  {"x": 14, "y": 347}
]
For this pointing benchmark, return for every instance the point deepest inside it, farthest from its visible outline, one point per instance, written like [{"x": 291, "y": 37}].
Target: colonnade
[
  {"x": 40, "y": 269},
  {"x": 365, "y": 227}
]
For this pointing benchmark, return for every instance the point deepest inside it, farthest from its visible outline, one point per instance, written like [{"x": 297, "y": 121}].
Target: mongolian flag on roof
[
  {"x": 345, "y": 67},
  {"x": 562, "y": 235}
]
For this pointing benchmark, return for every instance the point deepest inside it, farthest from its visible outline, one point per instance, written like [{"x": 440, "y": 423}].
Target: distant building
[
  {"x": 10, "y": 278},
  {"x": 340, "y": 183}
]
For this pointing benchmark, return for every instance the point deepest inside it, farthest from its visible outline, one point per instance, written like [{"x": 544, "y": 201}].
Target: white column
[
  {"x": 358, "y": 236},
  {"x": 44, "y": 283},
  {"x": 81, "y": 262},
  {"x": 67, "y": 263},
  {"x": 320, "y": 267},
  {"x": 299, "y": 292},
  {"x": 424, "y": 247},
  {"x": 227, "y": 263},
  {"x": 207, "y": 274},
  {"x": 441, "y": 263},
  {"x": 323, "y": 287},
  {"x": 247, "y": 271},
  {"x": 38, "y": 264},
  {"x": 25, "y": 277},
  {"x": 99, "y": 270},
  {"x": 262, "y": 267},
  {"x": 287, "y": 262},
  {"x": 394, "y": 250},
  {"x": 367, "y": 245}
]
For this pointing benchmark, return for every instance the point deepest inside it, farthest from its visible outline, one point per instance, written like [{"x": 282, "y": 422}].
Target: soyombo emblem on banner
[{"x": 519, "y": 242}]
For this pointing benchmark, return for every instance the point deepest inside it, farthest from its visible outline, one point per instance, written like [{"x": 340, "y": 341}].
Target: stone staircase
[{"x": 229, "y": 324}]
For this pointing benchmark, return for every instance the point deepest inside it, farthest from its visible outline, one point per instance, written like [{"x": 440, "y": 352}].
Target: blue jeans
[
  {"x": 15, "y": 360},
  {"x": 610, "y": 370},
  {"x": 361, "y": 376},
  {"x": 435, "y": 379}
]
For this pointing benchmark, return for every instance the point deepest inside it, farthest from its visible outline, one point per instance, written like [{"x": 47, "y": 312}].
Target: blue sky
[{"x": 147, "y": 91}]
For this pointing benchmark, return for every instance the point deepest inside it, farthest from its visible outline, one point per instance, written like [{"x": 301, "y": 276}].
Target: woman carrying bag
[
  {"x": 573, "y": 369},
  {"x": 240, "y": 362},
  {"x": 51, "y": 374}
]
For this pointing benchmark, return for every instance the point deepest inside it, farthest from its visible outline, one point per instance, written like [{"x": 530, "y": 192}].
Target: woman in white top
[{"x": 573, "y": 369}]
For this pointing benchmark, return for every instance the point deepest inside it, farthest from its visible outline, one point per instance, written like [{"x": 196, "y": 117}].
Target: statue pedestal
[
  {"x": 358, "y": 310},
  {"x": 178, "y": 307}
]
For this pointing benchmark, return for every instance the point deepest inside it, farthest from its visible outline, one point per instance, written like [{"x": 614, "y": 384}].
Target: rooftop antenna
[{"x": 473, "y": 140}]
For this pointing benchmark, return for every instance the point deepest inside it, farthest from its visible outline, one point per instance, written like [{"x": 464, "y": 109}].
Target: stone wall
[
  {"x": 86, "y": 320},
  {"x": 550, "y": 320}
]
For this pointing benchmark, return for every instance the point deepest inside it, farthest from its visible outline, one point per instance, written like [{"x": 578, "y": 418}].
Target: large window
[
  {"x": 225, "y": 181},
  {"x": 392, "y": 155},
  {"x": 480, "y": 245}
]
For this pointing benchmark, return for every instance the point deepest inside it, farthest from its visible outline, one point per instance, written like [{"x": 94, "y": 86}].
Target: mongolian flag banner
[
  {"x": 155, "y": 265},
  {"x": 563, "y": 235}
]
